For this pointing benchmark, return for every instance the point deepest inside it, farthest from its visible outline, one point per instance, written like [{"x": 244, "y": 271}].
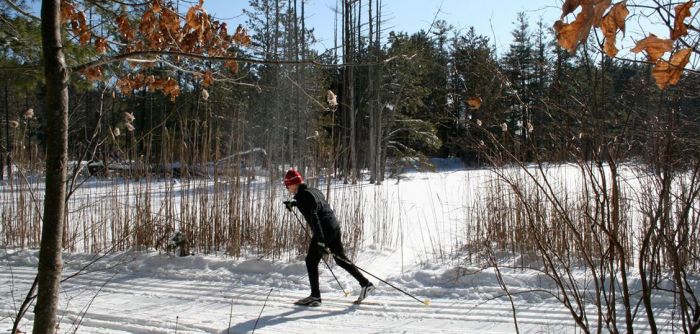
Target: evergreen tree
[
  {"x": 475, "y": 76},
  {"x": 411, "y": 134},
  {"x": 518, "y": 67}
]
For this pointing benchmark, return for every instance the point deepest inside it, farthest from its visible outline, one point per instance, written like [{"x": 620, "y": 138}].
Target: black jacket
[{"x": 317, "y": 212}]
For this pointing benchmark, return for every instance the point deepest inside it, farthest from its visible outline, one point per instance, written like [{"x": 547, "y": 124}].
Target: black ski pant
[{"x": 315, "y": 253}]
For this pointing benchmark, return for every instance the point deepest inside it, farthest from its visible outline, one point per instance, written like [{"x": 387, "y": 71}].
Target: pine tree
[
  {"x": 475, "y": 77},
  {"x": 519, "y": 65}
]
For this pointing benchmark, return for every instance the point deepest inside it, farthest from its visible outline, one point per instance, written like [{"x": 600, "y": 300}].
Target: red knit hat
[{"x": 292, "y": 177}]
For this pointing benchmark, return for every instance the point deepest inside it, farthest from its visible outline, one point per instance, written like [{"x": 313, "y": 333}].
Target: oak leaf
[
  {"x": 124, "y": 28},
  {"x": 128, "y": 117},
  {"x": 682, "y": 12},
  {"x": 156, "y": 7},
  {"x": 331, "y": 99},
  {"x": 67, "y": 11},
  {"x": 232, "y": 65},
  {"x": 474, "y": 102},
  {"x": 93, "y": 73},
  {"x": 569, "y": 6},
  {"x": 170, "y": 21},
  {"x": 171, "y": 88},
  {"x": 208, "y": 79},
  {"x": 192, "y": 17},
  {"x": 125, "y": 85},
  {"x": 241, "y": 36},
  {"x": 654, "y": 47},
  {"x": 101, "y": 45},
  {"x": 613, "y": 21},
  {"x": 569, "y": 35},
  {"x": 668, "y": 73},
  {"x": 599, "y": 8}
]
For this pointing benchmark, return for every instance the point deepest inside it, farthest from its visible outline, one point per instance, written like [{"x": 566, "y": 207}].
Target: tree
[
  {"x": 410, "y": 134},
  {"x": 519, "y": 69},
  {"x": 476, "y": 93}
]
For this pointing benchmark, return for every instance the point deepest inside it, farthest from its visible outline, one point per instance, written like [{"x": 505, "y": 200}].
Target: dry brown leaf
[
  {"x": 241, "y": 36},
  {"x": 125, "y": 85},
  {"x": 668, "y": 73},
  {"x": 124, "y": 28},
  {"x": 232, "y": 65},
  {"x": 569, "y": 35},
  {"x": 128, "y": 117},
  {"x": 681, "y": 58},
  {"x": 93, "y": 73},
  {"x": 208, "y": 79},
  {"x": 474, "y": 102},
  {"x": 569, "y": 7},
  {"x": 613, "y": 21},
  {"x": 156, "y": 6},
  {"x": 171, "y": 88},
  {"x": 654, "y": 47},
  {"x": 609, "y": 47},
  {"x": 679, "y": 28},
  {"x": 192, "y": 18},
  {"x": 67, "y": 11},
  {"x": 599, "y": 9},
  {"x": 171, "y": 22},
  {"x": 101, "y": 45},
  {"x": 331, "y": 99}
]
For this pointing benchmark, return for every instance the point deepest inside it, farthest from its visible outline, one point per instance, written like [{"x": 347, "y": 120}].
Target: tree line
[{"x": 377, "y": 101}]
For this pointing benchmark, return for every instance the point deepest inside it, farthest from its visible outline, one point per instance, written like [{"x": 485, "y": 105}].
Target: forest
[{"x": 134, "y": 90}]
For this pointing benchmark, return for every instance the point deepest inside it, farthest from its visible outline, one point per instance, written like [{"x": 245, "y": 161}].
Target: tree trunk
[
  {"x": 8, "y": 143},
  {"x": 350, "y": 92},
  {"x": 55, "y": 77},
  {"x": 379, "y": 105},
  {"x": 371, "y": 105}
]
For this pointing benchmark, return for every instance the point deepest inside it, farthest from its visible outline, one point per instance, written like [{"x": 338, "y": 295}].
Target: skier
[{"x": 326, "y": 238}]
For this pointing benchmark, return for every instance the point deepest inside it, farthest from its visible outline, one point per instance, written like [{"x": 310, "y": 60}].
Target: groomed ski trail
[{"x": 104, "y": 302}]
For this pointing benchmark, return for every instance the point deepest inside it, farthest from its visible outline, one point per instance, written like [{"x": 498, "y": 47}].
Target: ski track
[{"x": 205, "y": 306}]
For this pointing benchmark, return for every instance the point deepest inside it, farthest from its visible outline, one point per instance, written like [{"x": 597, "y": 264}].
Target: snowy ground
[
  {"x": 154, "y": 293},
  {"x": 148, "y": 292}
]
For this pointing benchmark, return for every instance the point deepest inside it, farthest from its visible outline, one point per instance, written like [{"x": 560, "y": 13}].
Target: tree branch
[
  {"x": 134, "y": 54},
  {"x": 22, "y": 11}
]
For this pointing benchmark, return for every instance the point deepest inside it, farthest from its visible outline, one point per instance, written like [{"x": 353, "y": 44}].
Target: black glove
[
  {"x": 290, "y": 204},
  {"x": 324, "y": 249}
]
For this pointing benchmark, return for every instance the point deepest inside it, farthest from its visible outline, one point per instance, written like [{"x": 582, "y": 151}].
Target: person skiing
[{"x": 326, "y": 236}]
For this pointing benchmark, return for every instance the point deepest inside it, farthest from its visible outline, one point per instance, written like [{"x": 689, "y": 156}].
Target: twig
[
  {"x": 230, "y": 316},
  {"x": 261, "y": 311},
  {"x": 25, "y": 305},
  {"x": 503, "y": 285},
  {"x": 129, "y": 55},
  {"x": 22, "y": 11},
  {"x": 92, "y": 300}
]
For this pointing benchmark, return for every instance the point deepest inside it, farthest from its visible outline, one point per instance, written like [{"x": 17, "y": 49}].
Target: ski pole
[
  {"x": 425, "y": 302},
  {"x": 324, "y": 260}
]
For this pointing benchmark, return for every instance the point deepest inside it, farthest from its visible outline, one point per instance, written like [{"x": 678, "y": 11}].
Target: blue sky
[{"x": 489, "y": 18}]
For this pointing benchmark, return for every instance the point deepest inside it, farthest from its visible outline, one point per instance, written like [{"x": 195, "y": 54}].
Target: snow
[{"x": 153, "y": 292}]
